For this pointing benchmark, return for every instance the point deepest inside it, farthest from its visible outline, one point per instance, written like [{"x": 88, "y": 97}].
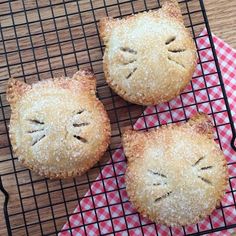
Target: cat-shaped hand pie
[
  {"x": 176, "y": 174},
  {"x": 58, "y": 127},
  {"x": 150, "y": 57}
]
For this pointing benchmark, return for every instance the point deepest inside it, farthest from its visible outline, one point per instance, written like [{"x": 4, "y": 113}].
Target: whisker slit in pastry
[
  {"x": 205, "y": 180},
  {"x": 129, "y": 62},
  {"x": 163, "y": 197},
  {"x": 158, "y": 184},
  {"x": 36, "y": 141},
  {"x": 157, "y": 173},
  {"x": 34, "y": 131},
  {"x": 130, "y": 50},
  {"x": 206, "y": 167},
  {"x": 170, "y": 40},
  {"x": 36, "y": 121},
  {"x": 83, "y": 140},
  {"x": 198, "y": 161},
  {"x": 131, "y": 73},
  {"x": 81, "y": 124},
  {"x": 176, "y": 62},
  {"x": 176, "y": 50}
]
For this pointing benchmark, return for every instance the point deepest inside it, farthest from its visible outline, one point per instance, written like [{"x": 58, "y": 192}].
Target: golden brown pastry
[
  {"x": 176, "y": 175},
  {"x": 150, "y": 57},
  {"x": 58, "y": 127}
]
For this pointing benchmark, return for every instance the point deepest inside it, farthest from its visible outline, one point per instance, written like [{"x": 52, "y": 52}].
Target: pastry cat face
[
  {"x": 150, "y": 56},
  {"x": 175, "y": 175},
  {"x": 58, "y": 127}
]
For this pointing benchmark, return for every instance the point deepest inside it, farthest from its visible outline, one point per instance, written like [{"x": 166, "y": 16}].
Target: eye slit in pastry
[
  {"x": 129, "y": 50},
  {"x": 205, "y": 180},
  {"x": 38, "y": 139},
  {"x": 35, "y": 121},
  {"x": 131, "y": 73},
  {"x": 170, "y": 40},
  {"x": 176, "y": 62},
  {"x": 80, "y": 124},
  {"x": 162, "y": 197},
  {"x": 81, "y": 139},
  {"x": 198, "y": 161}
]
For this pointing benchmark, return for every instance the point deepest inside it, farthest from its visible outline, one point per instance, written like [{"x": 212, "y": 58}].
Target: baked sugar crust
[
  {"x": 58, "y": 128},
  {"x": 149, "y": 57},
  {"x": 176, "y": 174}
]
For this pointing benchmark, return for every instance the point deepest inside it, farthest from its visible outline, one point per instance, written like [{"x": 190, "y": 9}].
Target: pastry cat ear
[
  {"x": 133, "y": 142},
  {"x": 171, "y": 8},
  {"x": 202, "y": 124},
  {"x": 87, "y": 77},
  {"x": 15, "y": 89},
  {"x": 105, "y": 26}
]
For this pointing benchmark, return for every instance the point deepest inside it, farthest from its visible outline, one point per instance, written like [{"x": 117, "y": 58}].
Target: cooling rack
[{"x": 43, "y": 39}]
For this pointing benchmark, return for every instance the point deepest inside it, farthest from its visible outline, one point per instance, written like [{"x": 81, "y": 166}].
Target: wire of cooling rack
[{"x": 43, "y": 39}]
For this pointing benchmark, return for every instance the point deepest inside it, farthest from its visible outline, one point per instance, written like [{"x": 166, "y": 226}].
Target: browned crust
[
  {"x": 132, "y": 145},
  {"x": 202, "y": 123},
  {"x": 87, "y": 77},
  {"x": 15, "y": 89},
  {"x": 171, "y": 8},
  {"x": 134, "y": 142},
  {"x": 105, "y": 25},
  {"x": 84, "y": 79}
]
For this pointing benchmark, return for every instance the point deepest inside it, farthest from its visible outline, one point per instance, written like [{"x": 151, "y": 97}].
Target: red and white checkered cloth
[{"x": 105, "y": 209}]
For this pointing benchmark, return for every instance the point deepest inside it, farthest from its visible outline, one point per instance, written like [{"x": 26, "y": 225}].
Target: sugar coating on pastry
[
  {"x": 149, "y": 57},
  {"x": 176, "y": 175},
  {"x": 58, "y": 127}
]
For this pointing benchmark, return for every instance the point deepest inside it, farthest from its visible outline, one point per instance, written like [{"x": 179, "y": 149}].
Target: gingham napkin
[{"x": 106, "y": 209}]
